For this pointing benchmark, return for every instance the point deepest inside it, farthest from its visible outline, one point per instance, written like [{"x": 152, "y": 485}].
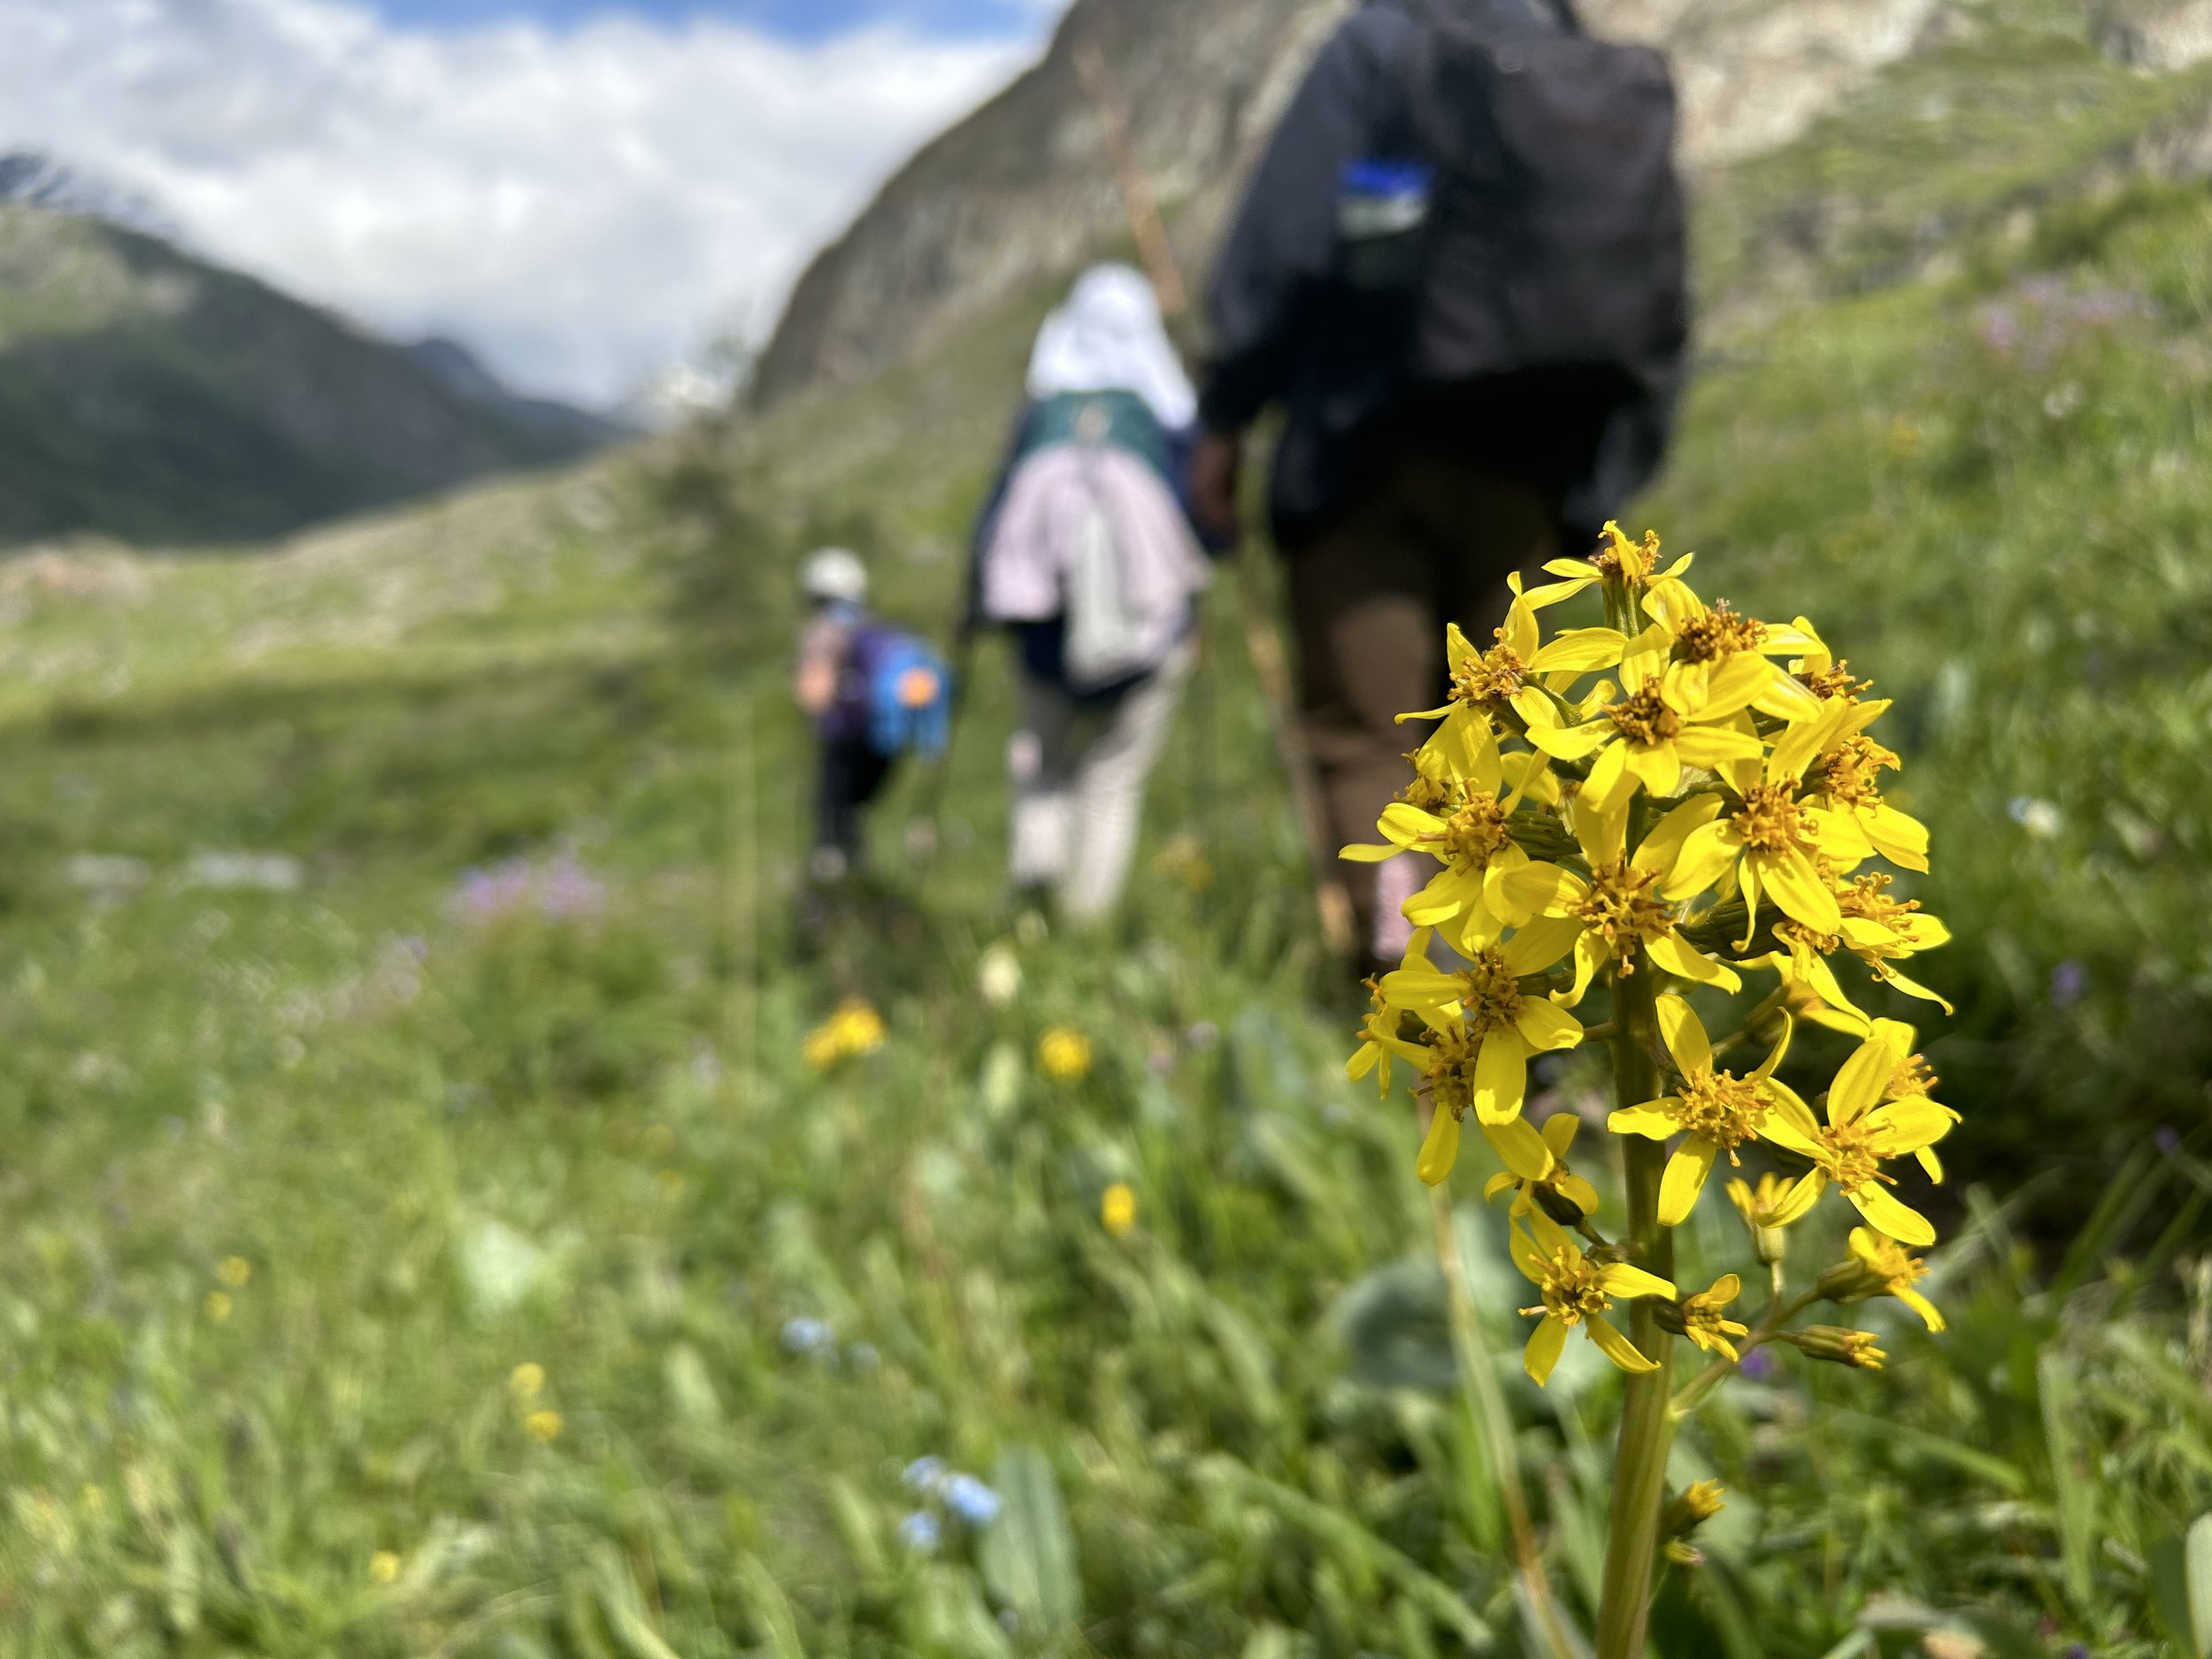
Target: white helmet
[{"x": 833, "y": 574}]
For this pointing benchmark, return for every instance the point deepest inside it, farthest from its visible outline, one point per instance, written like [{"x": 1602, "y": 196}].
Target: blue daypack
[{"x": 906, "y": 686}]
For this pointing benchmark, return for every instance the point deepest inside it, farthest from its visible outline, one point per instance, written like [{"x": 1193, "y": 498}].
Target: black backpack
[{"x": 1556, "y": 231}]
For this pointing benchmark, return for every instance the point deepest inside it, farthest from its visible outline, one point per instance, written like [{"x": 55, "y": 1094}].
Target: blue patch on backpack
[{"x": 909, "y": 692}]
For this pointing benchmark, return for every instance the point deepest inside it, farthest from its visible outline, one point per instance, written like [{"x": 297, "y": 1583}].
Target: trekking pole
[{"x": 1262, "y": 639}]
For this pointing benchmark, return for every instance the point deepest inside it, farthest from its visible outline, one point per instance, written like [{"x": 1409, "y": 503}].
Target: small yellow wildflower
[
  {"x": 1880, "y": 1267},
  {"x": 1616, "y": 908},
  {"x": 526, "y": 1381},
  {"x": 234, "y": 1270},
  {"x": 1484, "y": 1026},
  {"x": 1468, "y": 835},
  {"x": 1716, "y": 1111},
  {"x": 217, "y": 1306},
  {"x": 1064, "y": 1054},
  {"x": 854, "y": 1030},
  {"x": 1862, "y": 1132},
  {"x": 383, "y": 1567},
  {"x": 542, "y": 1426},
  {"x": 1703, "y": 1322},
  {"x": 1379, "y": 1043},
  {"x": 1118, "y": 1209},
  {"x": 1577, "y": 1290}
]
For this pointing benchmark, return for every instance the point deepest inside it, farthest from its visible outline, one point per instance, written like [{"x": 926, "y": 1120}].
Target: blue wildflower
[
  {"x": 921, "y": 1532},
  {"x": 924, "y": 1475},
  {"x": 971, "y": 1500},
  {"x": 804, "y": 1335}
]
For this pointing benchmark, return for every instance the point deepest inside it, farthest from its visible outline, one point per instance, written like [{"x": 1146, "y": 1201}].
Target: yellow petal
[
  {"x": 1684, "y": 1179},
  {"x": 1539, "y": 944},
  {"x": 1610, "y": 782},
  {"x": 1439, "y": 1149},
  {"x": 1892, "y": 1217},
  {"x": 1859, "y": 1084},
  {"x": 1570, "y": 742},
  {"x": 1559, "y": 1133},
  {"x": 1501, "y": 1077},
  {"x": 1654, "y": 1120},
  {"x": 1658, "y": 768},
  {"x": 1618, "y": 1348},
  {"x": 1671, "y": 955},
  {"x": 1526, "y": 1154},
  {"x": 1707, "y": 854},
  {"x": 1626, "y": 1282},
  {"x": 1662, "y": 845},
  {"x": 1544, "y": 1348},
  {"x": 1545, "y": 887},
  {"x": 1580, "y": 650},
  {"x": 1684, "y": 1036},
  {"x": 1546, "y": 1026},
  {"x": 1796, "y": 887},
  {"x": 1800, "y": 1195}
]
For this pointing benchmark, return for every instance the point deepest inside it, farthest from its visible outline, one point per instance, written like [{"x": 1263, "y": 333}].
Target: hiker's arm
[{"x": 1282, "y": 249}]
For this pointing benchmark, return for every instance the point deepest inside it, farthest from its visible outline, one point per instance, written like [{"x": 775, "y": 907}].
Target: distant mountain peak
[{"x": 35, "y": 179}]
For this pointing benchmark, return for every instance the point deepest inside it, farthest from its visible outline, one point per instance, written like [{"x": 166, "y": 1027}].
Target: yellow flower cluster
[
  {"x": 855, "y": 1029},
  {"x": 1683, "y": 793}
]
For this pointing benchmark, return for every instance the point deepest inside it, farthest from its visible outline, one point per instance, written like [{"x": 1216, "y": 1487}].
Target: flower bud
[
  {"x": 1849, "y": 1281},
  {"x": 1694, "y": 1505},
  {"x": 1840, "y": 1345}
]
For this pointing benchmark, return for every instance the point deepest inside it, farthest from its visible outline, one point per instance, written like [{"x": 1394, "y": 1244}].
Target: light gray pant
[{"x": 1078, "y": 784}]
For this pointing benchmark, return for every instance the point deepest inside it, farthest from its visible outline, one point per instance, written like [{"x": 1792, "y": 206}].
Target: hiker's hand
[{"x": 1217, "y": 465}]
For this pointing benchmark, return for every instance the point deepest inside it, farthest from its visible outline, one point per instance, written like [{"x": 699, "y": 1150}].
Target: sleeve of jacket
[
  {"x": 1282, "y": 247},
  {"x": 987, "y": 518}
]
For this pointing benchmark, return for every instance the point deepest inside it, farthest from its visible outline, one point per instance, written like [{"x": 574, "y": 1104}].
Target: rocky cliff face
[{"x": 1021, "y": 194}]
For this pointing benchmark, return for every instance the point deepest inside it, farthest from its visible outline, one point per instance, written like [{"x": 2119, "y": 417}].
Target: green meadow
[{"x": 427, "y": 1234}]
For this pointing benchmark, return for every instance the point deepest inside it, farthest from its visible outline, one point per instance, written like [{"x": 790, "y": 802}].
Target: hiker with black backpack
[
  {"x": 875, "y": 693},
  {"x": 1460, "y": 272},
  {"x": 1086, "y": 553}
]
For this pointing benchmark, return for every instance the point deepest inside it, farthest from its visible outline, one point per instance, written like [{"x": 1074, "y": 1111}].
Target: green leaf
[
  {"x": 2074, "y": 1494},
  {"x": 1028, "y": 1554},
  {"x": 2181, "y": 1587}
]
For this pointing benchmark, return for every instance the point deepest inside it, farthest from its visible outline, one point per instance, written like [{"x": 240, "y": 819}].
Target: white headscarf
[{"x": 1108, "y": 337}]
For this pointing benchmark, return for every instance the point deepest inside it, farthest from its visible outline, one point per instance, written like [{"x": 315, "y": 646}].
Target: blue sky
[{"x": 795, "y": 20}]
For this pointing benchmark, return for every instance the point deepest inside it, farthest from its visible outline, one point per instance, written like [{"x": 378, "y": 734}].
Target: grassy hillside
[
  {"x": 149, "y": 396},
  {"x": 416, "y": 1170}
]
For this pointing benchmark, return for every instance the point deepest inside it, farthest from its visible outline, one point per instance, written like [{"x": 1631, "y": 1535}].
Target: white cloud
[{"x": 583, "y": 205}]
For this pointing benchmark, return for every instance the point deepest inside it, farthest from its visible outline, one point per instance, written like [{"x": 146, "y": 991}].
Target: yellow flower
[
  {"x": 1864, "y": 1131},
  {"x": 1618, "y": 562},
  {"x": 1577, "y": 1290},
  {"x": 526, "y": 1381},
  {"x": 542, "y": 1426},
  {"x": 855, "y": 1029},
  {"x": 1715, "y": 1111},
  {"x": 1485, "y": 683},
  {"x": 1118, "y": 1209},
  {"x": 1664, "y": 722},
  {"x": 1616, "y": 909},
  {"x": 1064, "y": 1054},
  {"x": 1484, "y": 1026},
  {"x": 1886, "y": 1269},
  {"x": 217, "y": 1306},
  {"x": 234, "y": 1270},
  {"x": 1379, "y": 1041},
  {"x": 1879, "y": 930},
  {"x": 1703, "y": 1321},
  {"x": 1846, "y": 781},
  {"x": 1777, "y": 837},
  {"x": 1536, "y": 1168},
  {"x": 1467, "y": 834},
  {"x": 383, "y": 1567}
]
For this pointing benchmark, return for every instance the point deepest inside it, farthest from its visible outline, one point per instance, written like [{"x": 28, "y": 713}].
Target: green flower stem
[{"x": 1639, "y": 1466}]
